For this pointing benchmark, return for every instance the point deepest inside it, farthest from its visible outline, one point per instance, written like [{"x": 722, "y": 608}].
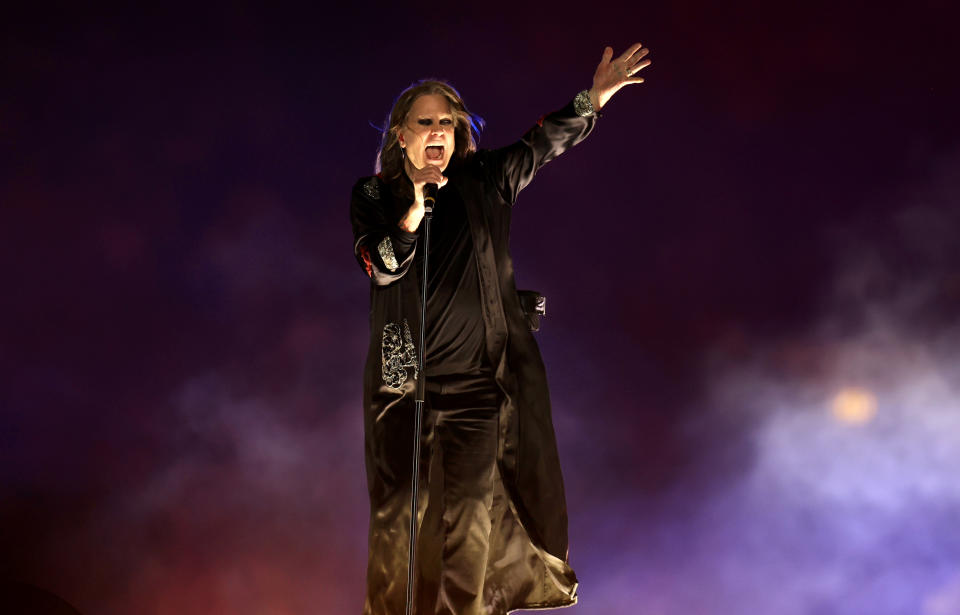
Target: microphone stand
[{"x": 428, "y": 202}]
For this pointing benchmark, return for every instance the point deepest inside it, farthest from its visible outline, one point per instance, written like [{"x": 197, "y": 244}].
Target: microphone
[
  {"x": 430, "y": 194},
  {"x": 429, "y": 198}
]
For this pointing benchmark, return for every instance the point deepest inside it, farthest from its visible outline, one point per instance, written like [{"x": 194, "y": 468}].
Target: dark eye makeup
[{"x": 425, "y": 121}]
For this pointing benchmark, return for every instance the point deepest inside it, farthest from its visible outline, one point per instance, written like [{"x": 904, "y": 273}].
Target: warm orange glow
[{"x": 854, "y": 406}]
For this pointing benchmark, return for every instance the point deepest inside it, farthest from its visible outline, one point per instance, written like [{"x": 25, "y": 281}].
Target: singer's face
[{"x": 427, "y": 133}]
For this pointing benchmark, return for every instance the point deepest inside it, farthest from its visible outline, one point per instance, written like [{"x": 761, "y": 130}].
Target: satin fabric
[
  {"x": 464, "y": 418},
  {"x": 526, "y": 564}
]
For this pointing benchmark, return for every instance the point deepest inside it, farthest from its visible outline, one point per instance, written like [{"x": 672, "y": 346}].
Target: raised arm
[{"x": 514, "y": 166}]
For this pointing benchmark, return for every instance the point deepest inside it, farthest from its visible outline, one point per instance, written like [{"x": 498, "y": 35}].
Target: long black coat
[{"x": 527, "y": 566}]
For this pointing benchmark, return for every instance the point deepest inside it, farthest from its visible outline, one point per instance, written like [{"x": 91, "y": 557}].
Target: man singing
[{"x": 493, "y": 521}]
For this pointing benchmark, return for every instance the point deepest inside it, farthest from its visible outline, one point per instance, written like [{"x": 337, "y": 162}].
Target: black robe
[{"x": 527, "y": 565}]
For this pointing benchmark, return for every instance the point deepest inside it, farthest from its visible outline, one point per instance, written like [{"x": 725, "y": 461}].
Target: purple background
[{"x": 771, "y": 219}]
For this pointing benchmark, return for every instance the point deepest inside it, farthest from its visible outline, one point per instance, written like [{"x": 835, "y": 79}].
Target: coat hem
[{"x": 543, "y": 606}]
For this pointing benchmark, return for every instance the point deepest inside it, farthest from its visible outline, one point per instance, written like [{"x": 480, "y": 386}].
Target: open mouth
[{"x": 434, "y": 152}]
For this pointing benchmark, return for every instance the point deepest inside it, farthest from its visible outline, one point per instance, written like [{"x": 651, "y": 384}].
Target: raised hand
[{"x": 613, "y": 74}]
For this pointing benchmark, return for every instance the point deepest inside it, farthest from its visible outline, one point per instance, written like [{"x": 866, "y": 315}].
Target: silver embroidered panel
[
  {"x": 385, "y": 248},
  {"x": 397, "y": 354},
  {"x": 372, "y": 188},
  {"x": 582, "y": 105}
]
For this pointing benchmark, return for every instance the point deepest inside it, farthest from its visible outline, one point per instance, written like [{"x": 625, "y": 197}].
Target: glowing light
[
  {"x": 945, "y": 601},
  {"x": 854, "y": 406}
]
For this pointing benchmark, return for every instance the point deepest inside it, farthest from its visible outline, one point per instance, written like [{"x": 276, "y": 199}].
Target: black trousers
[{"x": 463, "y": 419}]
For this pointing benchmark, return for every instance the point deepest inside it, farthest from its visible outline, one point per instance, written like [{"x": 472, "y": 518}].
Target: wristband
[{"x": 582, "y": 105}]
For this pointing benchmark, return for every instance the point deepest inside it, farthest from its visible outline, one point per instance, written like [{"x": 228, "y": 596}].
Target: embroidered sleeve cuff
[
  {"x": 385, "y": 248},
  {"x": 582, "y": 105}
]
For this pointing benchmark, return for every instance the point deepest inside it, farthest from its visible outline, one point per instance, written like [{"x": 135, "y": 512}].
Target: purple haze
[{"x": 769, "y": 221}]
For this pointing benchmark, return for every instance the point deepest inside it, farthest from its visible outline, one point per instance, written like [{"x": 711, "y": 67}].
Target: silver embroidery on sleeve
[
  {"x": 582, "y": 105},
  {"x": 385, "y": 248},
  {"x": 372, "y": 188},
  {"x": 397, "y": 354}
]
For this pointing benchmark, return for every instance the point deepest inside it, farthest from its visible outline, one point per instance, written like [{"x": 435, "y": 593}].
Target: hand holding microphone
[{"x": 426, "y": 183}]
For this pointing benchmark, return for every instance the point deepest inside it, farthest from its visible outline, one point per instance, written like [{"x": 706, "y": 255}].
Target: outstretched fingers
[
  {"x": 636, "y": 68},
  {"x": 639, "y": 55},
  {"x": 614, "y": 73},
  {"x": 632, "y": 49}
]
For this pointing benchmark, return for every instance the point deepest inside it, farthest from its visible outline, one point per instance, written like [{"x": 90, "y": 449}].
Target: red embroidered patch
[
  {"x": 540, "y": 121},
  {"x": 367, "y": 264}
]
